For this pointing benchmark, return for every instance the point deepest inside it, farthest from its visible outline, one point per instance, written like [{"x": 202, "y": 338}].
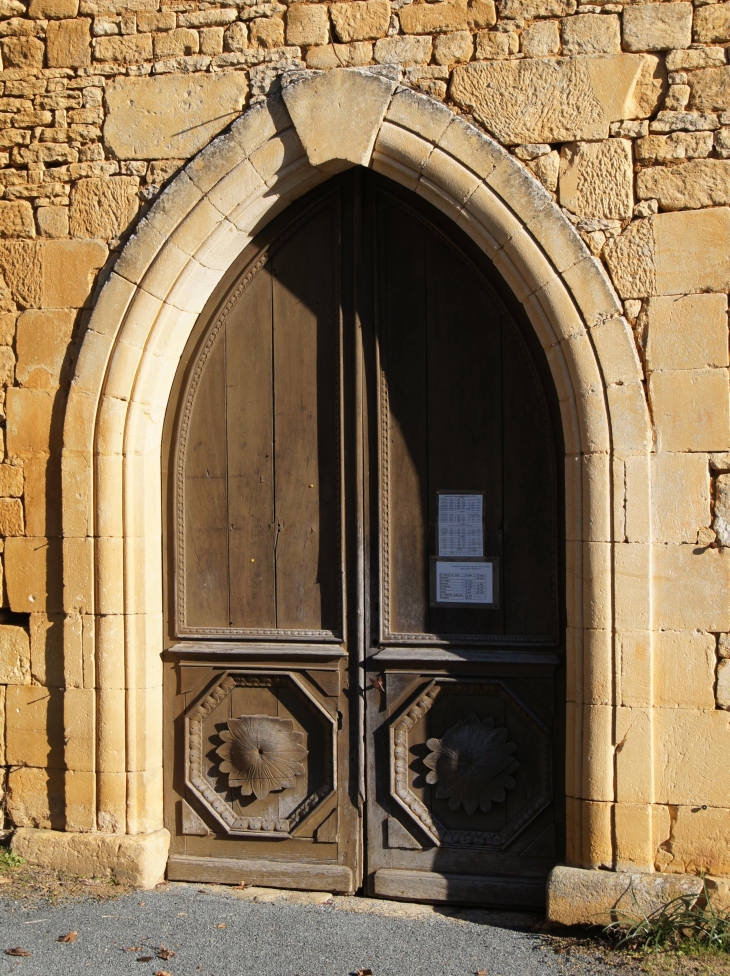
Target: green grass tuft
[
  {"x": 688, "y": 925},
  {"x": 10, "y": 860}
]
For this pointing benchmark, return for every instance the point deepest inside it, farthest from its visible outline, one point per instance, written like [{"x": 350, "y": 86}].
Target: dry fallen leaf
[
  {"x": 145, "y": 958},
  {"x": 133, "y": 949},
  {"x": 163, "y": 953},
  {"x": 17, "y": 951},
  {"x": 364, "y": 972},
  {"x": 481, "y": 972},
  {"x": 68, "y": 937},
  {"x": 221, "y": 926},
  {"x": 162, "y": 972}
]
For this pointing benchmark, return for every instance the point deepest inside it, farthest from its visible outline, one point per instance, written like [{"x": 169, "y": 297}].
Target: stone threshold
[{"x": 576, "y": 896}]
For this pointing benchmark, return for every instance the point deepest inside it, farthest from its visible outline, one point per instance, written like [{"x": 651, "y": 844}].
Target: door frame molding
[{"x": 111, "y": 495}]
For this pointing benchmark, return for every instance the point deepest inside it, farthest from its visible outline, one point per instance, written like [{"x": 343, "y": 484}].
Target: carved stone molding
[{"x": 471, "y": 764}]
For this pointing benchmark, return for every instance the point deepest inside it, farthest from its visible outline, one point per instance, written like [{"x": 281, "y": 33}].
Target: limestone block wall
[{"x": 621, "y": 111}]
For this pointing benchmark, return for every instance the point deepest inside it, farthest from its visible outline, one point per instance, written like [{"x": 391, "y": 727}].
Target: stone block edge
[
  {"x": 136, "y": 859},
  {"x": 580, "y": 896}
]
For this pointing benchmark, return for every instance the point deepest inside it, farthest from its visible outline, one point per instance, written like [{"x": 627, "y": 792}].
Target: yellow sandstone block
[
  {"x": 11, "y": 517},
  {"x": 680, "y": 496},
  {"x": 357, "y": 21},
  {"x": 69, "y": 43},
  {"x": 33, "y": 427},
  {"x": 34, "y": 726},
  {"x": 688, "y": 332},
  {"x": 11, "y": 480},
  {"x": 35, "y": 797},
  {"x": 690, "y": 588},
  {"x": 684, "y": 669},
  {"x": 691, "y": 409},
  {"x": 33, "y": 574},
  {"x": 693, "y": 746},
  {"x": 69, "y": 269},
  {"x": 47, "y": 649},
  {"x": 267, "y": 32},
  {"x": 14, "y": 655},
  {"x": 450, "y": 15},
  {"x": 53, "y": 9},
  {"x": 307, "y": 24},
  {"x": 43, "y": 337}
]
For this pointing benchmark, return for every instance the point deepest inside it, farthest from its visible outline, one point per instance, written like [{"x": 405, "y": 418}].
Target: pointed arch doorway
[{"x": 364, "y": 665}]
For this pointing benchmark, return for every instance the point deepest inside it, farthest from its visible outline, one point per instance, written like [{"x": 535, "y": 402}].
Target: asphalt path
[{"x": 198, "y": 930}]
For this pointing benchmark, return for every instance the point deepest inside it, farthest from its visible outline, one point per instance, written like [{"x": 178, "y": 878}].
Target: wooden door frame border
[{"x": 112, "y": 514}]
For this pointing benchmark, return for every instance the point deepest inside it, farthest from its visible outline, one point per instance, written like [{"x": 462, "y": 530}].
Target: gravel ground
[{"x": 218, "y": 931}]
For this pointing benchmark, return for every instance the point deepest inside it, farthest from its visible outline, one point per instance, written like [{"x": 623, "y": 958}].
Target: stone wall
[{"x": 621, "y": 111}]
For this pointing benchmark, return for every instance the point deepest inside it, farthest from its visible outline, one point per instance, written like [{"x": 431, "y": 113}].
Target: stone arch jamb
[{"x": 276, "y": 151}]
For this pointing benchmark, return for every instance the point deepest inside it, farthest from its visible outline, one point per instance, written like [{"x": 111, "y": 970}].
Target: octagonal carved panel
[
  {"x": 260, "y": 752},
  {"x": 486, "y": 774}
]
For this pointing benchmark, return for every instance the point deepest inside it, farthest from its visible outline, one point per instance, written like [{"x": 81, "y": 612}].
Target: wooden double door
[{"x": 363, "y": 672}]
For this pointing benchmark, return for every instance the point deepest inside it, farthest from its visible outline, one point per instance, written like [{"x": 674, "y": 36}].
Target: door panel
[
  {"x": 306, "y": 318},
  {"x": 531, "y": 566},
  {"x": 461, "y": 409},
  {"x": 461, "y": 722},
  {"x": 326, "y": 725},
  {"x": 258, "y": 457},
  {"x": 439, "y": 333},
  {"x": 250, "y": 456},
  {"x": 258, "y": 673},
  {"x": 203, "y": 534}
]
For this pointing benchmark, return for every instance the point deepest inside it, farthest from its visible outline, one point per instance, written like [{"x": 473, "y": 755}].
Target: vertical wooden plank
[
  {"x": 402, "y": 333},
  {"x": 250, "y": 438},
  {"x": 292, "y": 708},
  {"x": 530, "y": 504},
  {"x": 307, "y": 541},
  {"x": 464, "y": 407},
  {"x": 206, "y": 516}
]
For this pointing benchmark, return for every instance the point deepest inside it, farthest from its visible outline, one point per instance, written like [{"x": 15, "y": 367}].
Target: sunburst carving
[
  {"x": 471, "y": 764},
  {"x": 261, "y": 754}
]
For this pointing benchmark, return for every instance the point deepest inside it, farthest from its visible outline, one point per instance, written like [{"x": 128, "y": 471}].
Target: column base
[
  {"x": 576, "y": 896},
  {"x": 135, "y": 859}
]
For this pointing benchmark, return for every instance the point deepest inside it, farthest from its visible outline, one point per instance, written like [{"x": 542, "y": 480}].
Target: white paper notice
[
  {"x": 460, "y": 525},
  {"x": 464, "y": 582}
]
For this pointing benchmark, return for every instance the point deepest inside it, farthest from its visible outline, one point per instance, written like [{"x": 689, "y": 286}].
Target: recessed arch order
[{"x": 321, "y": 123}]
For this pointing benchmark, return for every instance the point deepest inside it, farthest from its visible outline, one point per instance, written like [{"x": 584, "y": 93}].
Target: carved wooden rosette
[
  {"x": 401, "y": 757},
  {"x": 262, "y": 737},
  {"x": 472, "y": 764},
  {"x": 261, "y": 754}
]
